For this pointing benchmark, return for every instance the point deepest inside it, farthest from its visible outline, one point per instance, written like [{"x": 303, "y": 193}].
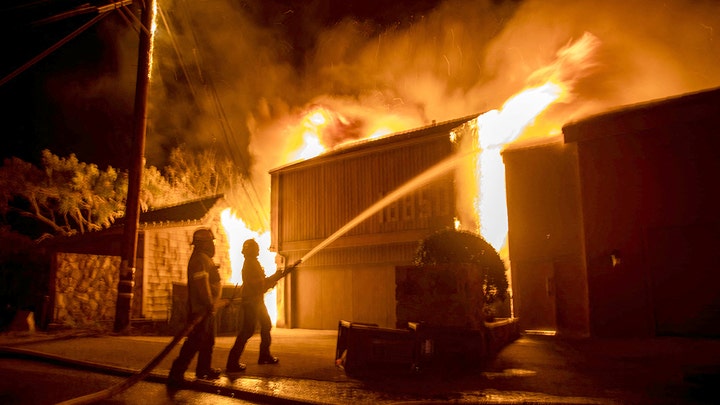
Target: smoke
[
  {"x": 648, "y": 50},
  {"x": 238, "y": 76}
]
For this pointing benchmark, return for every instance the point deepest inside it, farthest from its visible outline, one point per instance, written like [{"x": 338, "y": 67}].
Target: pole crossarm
[
  {"x": 85, "y": 9},
  {"x": 102, "y": 12}
]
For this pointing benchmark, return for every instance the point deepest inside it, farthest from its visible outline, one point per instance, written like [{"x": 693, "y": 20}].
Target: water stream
[{"x": 423, "y": 178}]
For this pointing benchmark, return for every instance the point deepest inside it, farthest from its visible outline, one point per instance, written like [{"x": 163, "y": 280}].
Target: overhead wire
[
  {"x": 124, "y": 12},
  {"x": 224, "y": 123},
  {"x": 51, "y": 49},
  {"x": 225, "y": 126},
  {"x": 102, "y": 11},
  {"x": 179, "y": 55},
  {"x": 183, "y": 65},
  {"x": 134, "y": 21}
]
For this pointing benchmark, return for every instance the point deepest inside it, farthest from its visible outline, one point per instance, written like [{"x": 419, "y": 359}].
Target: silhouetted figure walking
[{"x": 255, "y": 284}]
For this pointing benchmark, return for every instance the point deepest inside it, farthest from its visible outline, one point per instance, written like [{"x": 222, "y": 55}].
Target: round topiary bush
[{"x": 451, "y": 246}]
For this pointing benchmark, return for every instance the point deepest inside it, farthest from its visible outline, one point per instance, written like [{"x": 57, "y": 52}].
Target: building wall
[
  {"x": 325, "y": 296},
  {"x": 167, "y": 251},
  {"x": 548, "y": 273},
  {"x": 163, "y": 252},
  {"x": 353, "y": 277},
  {"x": 627, "y": 206},
  {"x": 650, "y": 195}
]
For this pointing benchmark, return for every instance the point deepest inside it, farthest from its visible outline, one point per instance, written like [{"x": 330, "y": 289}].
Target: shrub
[{"x": 451, "y": 246}]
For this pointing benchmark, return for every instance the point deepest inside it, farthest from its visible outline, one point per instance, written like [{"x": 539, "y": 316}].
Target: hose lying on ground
[{"x": 129, "y": 382}]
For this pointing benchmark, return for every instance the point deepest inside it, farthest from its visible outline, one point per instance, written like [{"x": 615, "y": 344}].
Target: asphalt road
[
  {"x": 25, "y": 382},
  {"x": 532, "y": 369}
]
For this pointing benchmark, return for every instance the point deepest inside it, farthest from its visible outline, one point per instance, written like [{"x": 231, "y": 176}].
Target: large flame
[
  {"x": 322, "y": 128},
  {"x": 498, "y": 128},
  {"x": 237, "y": 233},
  {"x": 311, "y": 127}
]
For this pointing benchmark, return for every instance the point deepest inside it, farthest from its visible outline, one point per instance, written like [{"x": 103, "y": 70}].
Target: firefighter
[
  {"x": 204, "y": 290},
  {"x": 255, "y": 284}
]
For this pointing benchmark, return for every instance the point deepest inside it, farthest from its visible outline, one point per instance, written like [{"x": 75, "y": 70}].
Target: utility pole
[{"x": 126, "y": 283}]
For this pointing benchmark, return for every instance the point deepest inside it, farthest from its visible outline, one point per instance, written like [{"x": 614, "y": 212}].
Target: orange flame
[
  {"x": 322, "y": 128},
  {"x": 495, "y": 130},
  {"x": 237, "y": 233},
  {"x": 499, "y": 128},
  {"x": 310, "y": 129}
]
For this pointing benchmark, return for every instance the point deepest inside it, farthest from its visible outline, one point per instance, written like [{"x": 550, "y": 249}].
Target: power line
[
  {"x": 225, "y": 127},
  {"x": 103, "y": 12}
]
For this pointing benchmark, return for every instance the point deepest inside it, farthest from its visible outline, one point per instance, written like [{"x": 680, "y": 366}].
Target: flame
[
  {"x": 498, "y": 128},
  {"x": 322, "y": 128},
  {"x": 380, "y": 132},
  {"x": 386, "y": 124},
  {"x": 310, "y": 128},
  {"x": 237, "y": 233},
  {"x": 311, "y": 146}
]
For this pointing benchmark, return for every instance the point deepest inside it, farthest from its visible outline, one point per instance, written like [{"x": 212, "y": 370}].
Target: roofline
[
  {"x": 368, "y": 142},
  {"x": 632, "y": 118},
  {"x": 209, "y": 197}
]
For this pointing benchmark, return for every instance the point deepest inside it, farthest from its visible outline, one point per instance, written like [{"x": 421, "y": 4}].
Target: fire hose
[{"x": 135, "y": 378}]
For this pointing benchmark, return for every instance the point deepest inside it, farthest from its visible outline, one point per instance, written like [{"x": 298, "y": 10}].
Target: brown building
[
  {"x": 353, "y": 278},
  {"x": 614, "y": 228}
]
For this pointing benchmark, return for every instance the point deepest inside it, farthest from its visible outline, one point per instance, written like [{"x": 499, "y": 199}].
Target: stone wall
[{"x": 85, "y": 289}]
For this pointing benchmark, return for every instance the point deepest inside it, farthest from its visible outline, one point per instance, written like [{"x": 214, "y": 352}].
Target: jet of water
[{"x": 414, "y": 183}]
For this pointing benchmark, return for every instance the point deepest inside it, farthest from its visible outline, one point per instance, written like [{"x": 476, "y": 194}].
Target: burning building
[
  {"x": 611, "y": 224},
  {"x": 614, "y": 226},
  {"x": 354, "y": 276},
  {"x": 456, "y": 179}
]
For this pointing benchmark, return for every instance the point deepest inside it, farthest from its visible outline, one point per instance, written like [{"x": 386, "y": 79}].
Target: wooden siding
[
  {"x": 167, "y": 251},
  {"x": 360, "y": 292},
  {"x": 315, "y": 201},
  {"x": 353, "y": 278},
  {"x": 636, "y": 185}
]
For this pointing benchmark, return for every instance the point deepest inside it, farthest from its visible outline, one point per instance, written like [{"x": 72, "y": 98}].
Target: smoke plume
[{"x": 238, "y": 76}]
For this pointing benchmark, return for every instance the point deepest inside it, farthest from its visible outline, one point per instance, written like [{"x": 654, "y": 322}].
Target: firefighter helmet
[
  {"x": 250, "y": 247},
  {"x": 202, "y": 235}
]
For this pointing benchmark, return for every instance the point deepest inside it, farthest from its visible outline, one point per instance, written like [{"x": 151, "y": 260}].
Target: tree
[
  {"x": 452, "y": 246},
  {"x": 156, "y": 191},
  {"x": 198, "y": 174},
  {"x": 66, "y": 195}
]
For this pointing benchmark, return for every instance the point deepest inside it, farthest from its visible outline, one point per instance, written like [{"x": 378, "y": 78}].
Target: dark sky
[
  {"x": 79, "y": 98},
  {"x": 31, "y": 117}
]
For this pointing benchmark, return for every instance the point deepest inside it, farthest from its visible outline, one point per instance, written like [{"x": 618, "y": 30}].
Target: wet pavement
[{"x": 532, "y": 369}]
